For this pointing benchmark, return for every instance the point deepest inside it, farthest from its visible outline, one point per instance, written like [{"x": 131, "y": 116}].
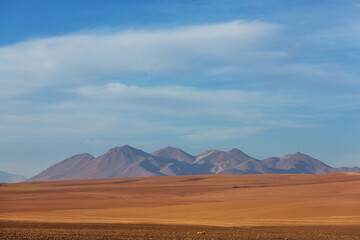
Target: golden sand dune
[{"x": 222, "y": 200}]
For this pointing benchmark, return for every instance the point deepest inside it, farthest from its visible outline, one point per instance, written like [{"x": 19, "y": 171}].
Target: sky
[{"x": 267, "y": 77}]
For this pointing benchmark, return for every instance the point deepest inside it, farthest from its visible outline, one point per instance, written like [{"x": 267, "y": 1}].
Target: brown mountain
[
  {"x": 297, "y": 163},
  {"x": 65, "y": 169},
  {"x": 10, "y": 178},
  {"x": 301, "y": 163},
  {"x": 231, "y": 162},
  {"x": 118, "y": 162},
  {"x": 347, "y": 169},
  {"x": 174, "y": 153},
  {"x": 126, "y": 161}
]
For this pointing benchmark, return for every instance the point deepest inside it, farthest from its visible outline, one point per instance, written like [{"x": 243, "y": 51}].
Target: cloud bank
[
  {"x": 81, "y": 57},
  {"x": 84, "y": 85}
]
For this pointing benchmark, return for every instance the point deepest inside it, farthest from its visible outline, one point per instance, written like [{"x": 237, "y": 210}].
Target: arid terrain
[
  {"x": 275, "y": 203},
  {"x": 110, "y": 231}
]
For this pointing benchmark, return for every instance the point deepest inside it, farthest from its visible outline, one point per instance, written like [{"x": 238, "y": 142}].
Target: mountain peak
[
  {"x": 173, "y": 153},
  {"x": 126, "y": 161},
  {"x": 127, "y": 151},
  {"x": 170, "y": 148},
  {"x": 297, "y": 154},
  {"x": 299, "y": 163},
  {"x": 10, "y": 177},
  {"x": 122, "y": 148},
  {"x": 235, "y": 150},
  {"x": 127, "y": 147},
  {"x": 237, "y": 153},
  {"x": 84, "y": 155}
]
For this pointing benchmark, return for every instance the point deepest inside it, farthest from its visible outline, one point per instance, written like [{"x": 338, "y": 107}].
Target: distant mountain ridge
[
  {"x": 10, "y": 178},
  {"x": 126, "y": 161}
]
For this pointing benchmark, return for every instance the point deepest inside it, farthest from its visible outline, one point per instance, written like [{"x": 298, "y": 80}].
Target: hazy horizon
[{"x": 267, "y": 77}]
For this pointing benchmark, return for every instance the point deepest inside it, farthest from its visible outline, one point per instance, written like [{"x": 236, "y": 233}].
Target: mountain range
[
  {"x": 126, "y": 161},
  {"x": 10, "y": 178}
]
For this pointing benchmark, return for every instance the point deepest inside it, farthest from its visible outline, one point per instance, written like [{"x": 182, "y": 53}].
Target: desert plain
[{"x": 325, "y": 206}]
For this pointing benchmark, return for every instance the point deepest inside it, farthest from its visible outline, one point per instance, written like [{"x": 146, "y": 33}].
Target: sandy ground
[
  {"x": 109, "y": 231},
  {"x": 216, "y": 200}
]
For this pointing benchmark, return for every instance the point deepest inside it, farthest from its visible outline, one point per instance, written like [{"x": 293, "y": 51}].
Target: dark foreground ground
[{"x": 31, "y": 230}]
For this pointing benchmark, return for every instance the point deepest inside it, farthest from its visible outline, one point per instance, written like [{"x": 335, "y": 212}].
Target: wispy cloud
[
  {"x": 177, "y": 100},
  {"x": 135, "y": 110},
  {"x": 245, "y": 50},
  {"x": 79, "y": 57},
  {"x": 75, "y": 86}
]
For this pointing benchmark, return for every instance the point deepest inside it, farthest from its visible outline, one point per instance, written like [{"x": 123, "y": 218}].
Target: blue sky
[{"x": 267, "y": 77}]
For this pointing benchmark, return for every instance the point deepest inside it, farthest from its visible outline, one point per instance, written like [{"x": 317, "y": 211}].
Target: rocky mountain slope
[
  {"x": 126, "y": 161},
  {"x": 10, "y": 178}
]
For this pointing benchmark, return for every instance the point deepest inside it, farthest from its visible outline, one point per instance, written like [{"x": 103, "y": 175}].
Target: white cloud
[
  {"x": 78, "y": 63},
  {"x": 77, "y": 57},
  {"x": 192, "y": 113},
  {"x": 185, "y": 102}
]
